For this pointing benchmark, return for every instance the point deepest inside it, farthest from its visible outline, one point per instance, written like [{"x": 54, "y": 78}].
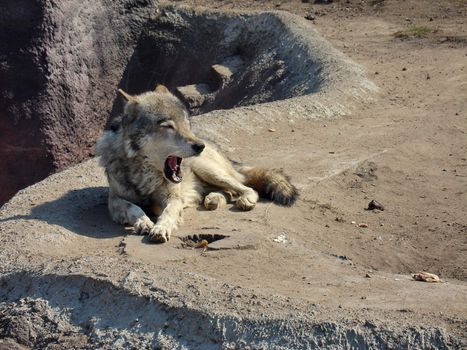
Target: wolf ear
[
  {"x": 161, "y": 89},
  {"x": 126, "y": 97}
]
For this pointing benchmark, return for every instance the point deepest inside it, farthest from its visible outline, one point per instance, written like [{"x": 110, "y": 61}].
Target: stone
[
  {"x": 59, "y": 78},
  {"x": 193, "y": 95},
  {"x": 224, "y": 71}
]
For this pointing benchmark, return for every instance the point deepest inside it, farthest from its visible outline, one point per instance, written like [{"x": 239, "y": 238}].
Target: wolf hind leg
[
  {"x": 215, "y": 200},
  {"x": 246, "y": 196},
  {"x": 247, "y": 201},
  {"x": 125, "y": 212},
  {"x": 217, "y": 171}
]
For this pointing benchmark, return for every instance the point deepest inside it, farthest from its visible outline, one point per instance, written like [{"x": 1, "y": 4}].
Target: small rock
[
  {"x": 310, "y": 17},
  {"x": 375, "y": 205},
  {"x": 282, "y": 238},
  {"x": 193, "y": 95},
  {"x": 368, "y": 275},
  {"x": 363, "y": 225},
  {"x": 404, "y": 69},
  {"x": 272, "y": 130},
  {"x": 122, "y": 247}
]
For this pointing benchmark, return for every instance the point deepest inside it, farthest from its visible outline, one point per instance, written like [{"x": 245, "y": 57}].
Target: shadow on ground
[{"x": 83, "y": 211}]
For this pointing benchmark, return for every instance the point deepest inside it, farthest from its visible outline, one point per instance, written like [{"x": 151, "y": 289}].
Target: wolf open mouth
[{"x": 172, "y": 170}]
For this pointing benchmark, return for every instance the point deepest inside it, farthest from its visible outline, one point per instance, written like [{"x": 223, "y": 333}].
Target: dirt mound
[
  {"x": 215, "y": 60},
  {"x": 59, "y": 77}
]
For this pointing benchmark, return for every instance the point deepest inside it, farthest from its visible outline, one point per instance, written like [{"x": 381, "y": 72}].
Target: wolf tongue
[{"x": 172, "y": 161}]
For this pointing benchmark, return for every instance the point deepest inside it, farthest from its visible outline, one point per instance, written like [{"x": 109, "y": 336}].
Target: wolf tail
[{"x": 270, "y": 184}]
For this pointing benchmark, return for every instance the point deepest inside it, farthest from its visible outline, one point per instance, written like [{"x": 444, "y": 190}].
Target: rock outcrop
[{"x": 60, "y": 62}]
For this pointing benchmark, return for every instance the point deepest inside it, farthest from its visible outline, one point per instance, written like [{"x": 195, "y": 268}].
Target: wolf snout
[{"x": 198, "y": 147}]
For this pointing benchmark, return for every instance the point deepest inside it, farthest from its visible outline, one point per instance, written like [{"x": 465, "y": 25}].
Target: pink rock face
[{"x": 60, "y": 64}]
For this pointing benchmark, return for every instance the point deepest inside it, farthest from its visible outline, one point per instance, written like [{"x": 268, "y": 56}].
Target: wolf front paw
[
  {"x": 159, "y": 234},
  {"x": 247, "y": 201},
  {"x": 143, "y": 226},
  {"x": 214, "y": 200}
]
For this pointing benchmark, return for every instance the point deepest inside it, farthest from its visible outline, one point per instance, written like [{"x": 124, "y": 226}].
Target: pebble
[{"x": 375, "y": 205}]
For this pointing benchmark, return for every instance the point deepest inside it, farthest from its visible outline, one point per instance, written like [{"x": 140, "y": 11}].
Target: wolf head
[{"x": 155, "y": 126}]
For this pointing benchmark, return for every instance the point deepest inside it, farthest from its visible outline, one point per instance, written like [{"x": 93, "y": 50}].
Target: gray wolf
[{"x": 153, "y": 160}]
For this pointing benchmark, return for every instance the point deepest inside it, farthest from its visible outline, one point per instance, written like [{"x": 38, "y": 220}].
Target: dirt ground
[
  {"x": 416, "y": 52},
  {"x": 407, "y": 150}
]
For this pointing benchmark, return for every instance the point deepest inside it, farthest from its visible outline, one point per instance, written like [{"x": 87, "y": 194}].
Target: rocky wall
[{"x": 60, "y": 63}]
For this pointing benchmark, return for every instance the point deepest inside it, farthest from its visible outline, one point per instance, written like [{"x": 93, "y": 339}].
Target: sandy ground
[
  {"x": 407, "y": 149},
  {"x": 413, "y": 135}
]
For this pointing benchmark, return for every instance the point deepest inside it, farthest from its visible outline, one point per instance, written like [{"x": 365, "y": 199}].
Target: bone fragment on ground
[{"x": 426, "y": 277}]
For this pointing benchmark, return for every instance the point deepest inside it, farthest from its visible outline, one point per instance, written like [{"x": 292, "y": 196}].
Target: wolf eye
[{"x": 167, "y": 125}]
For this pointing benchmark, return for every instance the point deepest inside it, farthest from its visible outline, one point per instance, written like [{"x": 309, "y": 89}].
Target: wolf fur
[{"x": 141, "y": 154}]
